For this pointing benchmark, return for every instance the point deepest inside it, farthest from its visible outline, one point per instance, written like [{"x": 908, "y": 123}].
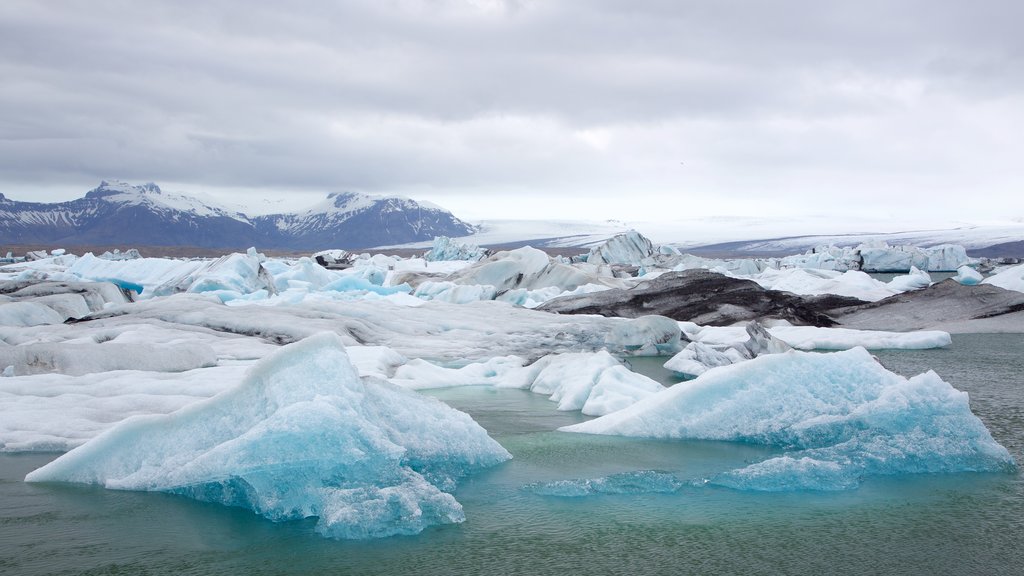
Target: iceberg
[
  {"x": 838, "y": 417},
  {"x": 524, "y": 267},
  {"x": 968, "y": 276},
  {"x": 445, "y": 249},
  {"x": 301, "y": 436},
  {"x": 697, "y": 358},
  {"x": 631, "y": 248},
  {"x": 1011, "y": 278},
  {"x": 595, "y": 383}
]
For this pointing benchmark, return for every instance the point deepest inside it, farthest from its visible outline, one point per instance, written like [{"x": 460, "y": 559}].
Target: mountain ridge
[{"x": 118, "y": 212}]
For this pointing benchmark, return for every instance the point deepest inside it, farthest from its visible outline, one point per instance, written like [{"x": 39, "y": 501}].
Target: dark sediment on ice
[
  {"x": 943, "y": 303},
  {"x": 706, "y": 298}
]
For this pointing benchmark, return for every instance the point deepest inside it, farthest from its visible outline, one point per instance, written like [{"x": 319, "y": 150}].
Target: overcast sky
[{"x": 587, "y": 108}]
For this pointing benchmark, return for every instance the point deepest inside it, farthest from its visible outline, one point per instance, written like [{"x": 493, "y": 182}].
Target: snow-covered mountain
[
  {"x": 120, "y": 213},
  {"x": 362, "y": 220}
]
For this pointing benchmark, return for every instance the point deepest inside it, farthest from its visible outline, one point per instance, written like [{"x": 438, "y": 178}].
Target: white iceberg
[
  {"x": 968, "y": 276},
  {"x": 1011, "y": 278},
  {"x": 631, "y": 248},
  {"x": 595, "y": 383},
  {"x": 839, "y": 416},
  {"x": 301, "y": 436}
]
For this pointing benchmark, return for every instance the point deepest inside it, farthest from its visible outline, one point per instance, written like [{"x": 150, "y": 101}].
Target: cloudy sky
[{"x": 589, "y": 108}]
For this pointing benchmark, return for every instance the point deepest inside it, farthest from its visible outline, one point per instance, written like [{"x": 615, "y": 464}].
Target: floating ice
[
  {"x": 815, "y": 338},
  {"x": 595, "y": 383},
  {"x": 1011, "y": 278},
  {"x": 841, "y": 416},
  {"x": 522, "y": 268},
  {"x": 697, "y": 358},
  {"x": 629, "y": 248},
  {"x": 968, "y": 276},
  {"x": 915, "y": 280},
  {"x": 640, "y": 482},
  {"x": 446, "y": 249},
  {"x": 301, "y": 436}
]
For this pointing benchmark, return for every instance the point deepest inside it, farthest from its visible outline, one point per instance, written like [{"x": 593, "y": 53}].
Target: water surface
[{"x": 952, "y": 524}]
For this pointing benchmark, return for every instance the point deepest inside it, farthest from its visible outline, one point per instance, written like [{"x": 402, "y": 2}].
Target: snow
[
  {"x": 301, "y": 436},
  {"x": 1011, "y": 278},
  {"x": 839, "y": 417}
]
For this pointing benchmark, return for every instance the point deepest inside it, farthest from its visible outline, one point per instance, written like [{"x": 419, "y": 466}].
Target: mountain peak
[{"x": 114, "y": 187}]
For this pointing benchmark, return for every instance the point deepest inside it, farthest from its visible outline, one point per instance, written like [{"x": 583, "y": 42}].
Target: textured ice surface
[
  {"x": 629, "y": 248},
  {"x": 1011, "y": 278},
  {"x": 89, "y": 357},
  {"x": 839, "y": 416},
  {"x": 914, "y": 280},
  {"x": 301, "y": 436},
  {"x": 640, "y": 482},
  {"x": 968, "y": 276},
  {"x": 525, "y": 267},
  {"x": 595, "y": 383},
  {"x": 445, "y": 249},
  {"x": 814, "y": 338}
]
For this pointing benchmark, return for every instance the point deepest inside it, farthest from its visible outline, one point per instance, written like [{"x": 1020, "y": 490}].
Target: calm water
[{"x": 955, "y": 524}]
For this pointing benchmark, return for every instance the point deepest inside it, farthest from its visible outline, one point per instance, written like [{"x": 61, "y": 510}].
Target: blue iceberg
[
  {"x": 838, "y": 417},
  {"x": 301, "y": 436}
]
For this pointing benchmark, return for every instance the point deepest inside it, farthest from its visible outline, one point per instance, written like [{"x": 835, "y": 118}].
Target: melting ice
[
  {"x": 839, "y": 416},
  {"x": 301, "y": 436}
]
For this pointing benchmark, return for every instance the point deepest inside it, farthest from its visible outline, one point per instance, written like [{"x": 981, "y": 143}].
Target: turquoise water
[{"x": 956, "y": 524}]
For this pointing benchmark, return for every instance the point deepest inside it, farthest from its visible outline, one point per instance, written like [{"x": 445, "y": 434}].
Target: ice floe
[{"x": 839, "y": 417}]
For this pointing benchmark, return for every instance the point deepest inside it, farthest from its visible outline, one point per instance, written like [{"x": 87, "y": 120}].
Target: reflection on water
[{"x": 955, "y": 524}]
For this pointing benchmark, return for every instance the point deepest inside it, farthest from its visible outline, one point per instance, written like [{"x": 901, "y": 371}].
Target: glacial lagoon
[{"x": 911, "y": 524}]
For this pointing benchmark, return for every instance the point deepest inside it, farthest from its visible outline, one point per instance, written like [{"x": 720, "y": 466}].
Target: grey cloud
[{"x": 577, "y": 97}]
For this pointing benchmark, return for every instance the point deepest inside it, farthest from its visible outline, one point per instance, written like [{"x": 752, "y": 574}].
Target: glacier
[
  {"x": 301, "y": 436},
  {"x": 837, "y": 417}
]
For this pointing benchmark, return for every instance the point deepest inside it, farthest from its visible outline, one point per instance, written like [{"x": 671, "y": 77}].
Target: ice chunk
[
  {"x": 454, "y": 293},
  {"x": 28, "y": 314},
  {"x": 698, "y": 358},
  {"x": 915, "y": 280},
  {"x": 629, "y": 248},
  {"x": 640, "y": 482},
  {"x": 1011, "y": 278},
  {"x": 446, "y": 249},
  {"x": 968, "y": 276},
  {"x": 522, "y": 268},
  {"x": 301, "y": 436},
  {"x": 596, "y": 383},
  {"x": 841, "y": 416},
  {"x": 816, "y": 338}
]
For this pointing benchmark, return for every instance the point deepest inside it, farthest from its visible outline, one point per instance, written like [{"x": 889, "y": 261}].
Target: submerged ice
[
  {"x": 838, "y": 417},
  {"x": 301, "y": 436}
]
